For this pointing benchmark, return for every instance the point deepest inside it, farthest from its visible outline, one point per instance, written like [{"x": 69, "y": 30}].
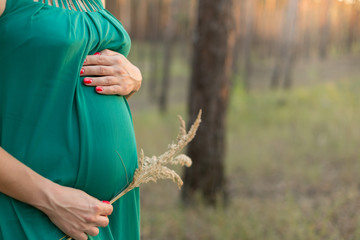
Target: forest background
[{"x": 292, "y": 127}]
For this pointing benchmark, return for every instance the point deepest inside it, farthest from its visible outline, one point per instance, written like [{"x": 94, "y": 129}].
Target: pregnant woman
[{"x": 67, "y": 144}]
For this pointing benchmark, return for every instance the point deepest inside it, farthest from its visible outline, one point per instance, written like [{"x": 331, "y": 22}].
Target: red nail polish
[
  {"x": 97, "y": 53},
  {"x": 106, "y": 202},
  {"x": 99, "y": 89},
  {"x": 82, "y": 71},
  {"x": 87, "y": 80},
  {"x": 85, "y": 61}
]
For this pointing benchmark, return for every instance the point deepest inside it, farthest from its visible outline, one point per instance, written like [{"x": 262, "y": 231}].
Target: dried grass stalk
[{"x": 154, "y": 168}]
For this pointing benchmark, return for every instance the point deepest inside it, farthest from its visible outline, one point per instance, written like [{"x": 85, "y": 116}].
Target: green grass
[{"x": 292, "y": 167}]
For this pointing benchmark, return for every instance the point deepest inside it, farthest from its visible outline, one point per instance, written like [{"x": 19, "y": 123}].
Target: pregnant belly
[
  {"x": 108, "y": 155},
  {"x": 85, "y": 140}
]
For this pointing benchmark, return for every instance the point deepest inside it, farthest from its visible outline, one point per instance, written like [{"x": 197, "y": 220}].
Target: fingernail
[
  {"x": 106, "y": 202},
  {"x": 85, "y": 61},
  {"x": 99, "y": 89},
  {"x": 87, "y": 80},
  {"x": 97, "y": 53},
  {"x": 82, "y": 71}
]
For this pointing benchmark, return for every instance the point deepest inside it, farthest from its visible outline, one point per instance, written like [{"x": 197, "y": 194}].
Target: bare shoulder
[{"x": 2, "y": 6}]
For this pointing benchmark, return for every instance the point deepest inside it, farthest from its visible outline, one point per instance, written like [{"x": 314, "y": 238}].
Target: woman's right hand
[
  {"x": 76, "y": 213},
  {"x": 71, "y": 210}
]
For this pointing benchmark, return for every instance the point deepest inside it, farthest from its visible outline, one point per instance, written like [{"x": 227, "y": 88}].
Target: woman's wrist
[
  {"x": 46, "y": 195},
  {"x": 24, "y": 184}
]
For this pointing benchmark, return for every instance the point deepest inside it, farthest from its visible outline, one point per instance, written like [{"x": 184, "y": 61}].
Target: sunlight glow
[{"x": 349, "y": 1}]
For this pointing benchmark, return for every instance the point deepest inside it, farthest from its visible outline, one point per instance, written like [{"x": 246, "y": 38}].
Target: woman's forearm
[
  {"x": 22, "y": 183},
  {"x": 71, "y": 210}
]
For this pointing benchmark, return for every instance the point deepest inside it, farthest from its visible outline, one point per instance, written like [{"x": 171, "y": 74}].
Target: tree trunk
[
  {"x": 121, "y": 10},
  {"x": 209, "y": 90},
  {"x": 353, "y": 26},
  {"x": 239, "y": 19},
  {"x": 290, "y": 42},
  {"x": 114, "y": 7},
  {"x": 142, "y": 17},
  {"x": 134, "y": 30},
  {"x": 289, "y": 66},
  {"x": 286, "y": 58},
  {"x": 168, "y": 54},
  {"x": 166, "y": 77},
  {"x": 125, "y": 16},
  {"x": 325, "y": 30},
  {"x": 247, "y": 44},
  {"x": 154, "y": 51}
]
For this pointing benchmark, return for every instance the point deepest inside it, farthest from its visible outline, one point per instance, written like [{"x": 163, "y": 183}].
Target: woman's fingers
[
  {"x": 80, "y": 236},
  {"x": 102, "y": 221},
  {"x": 102, "y": 81},
  {"x": 98, "y": 59},
  {"x": 106, "y": 209},
  {"x": 113, "y": 90},
  {"x": 110, "y": 85},
  {"x": 108, "y": 52},
  {"x": 92, "y": 231},
  {"x": 93, "y": 226},
  {"x": 105, "y": 57},
  {"x": 98, "y": 70}
]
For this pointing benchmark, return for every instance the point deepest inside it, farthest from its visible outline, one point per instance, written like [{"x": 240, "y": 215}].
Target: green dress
[{"x": 56, "y": 125}]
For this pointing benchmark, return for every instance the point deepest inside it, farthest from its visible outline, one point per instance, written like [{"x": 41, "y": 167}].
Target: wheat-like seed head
[{"x": 153, "y": 168}]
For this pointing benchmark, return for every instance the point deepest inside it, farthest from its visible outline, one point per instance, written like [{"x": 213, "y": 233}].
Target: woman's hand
[
  {"x": 76, "y": 213},
  {"x": 115, "y": 74},
  {"x": 73, "y": 211}
]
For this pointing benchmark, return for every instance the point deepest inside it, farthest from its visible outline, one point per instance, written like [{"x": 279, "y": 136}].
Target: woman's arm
[
  {"x": 2, "y": 6},
  {"x": 73, "y": 211},
  {"x": 20, "y": 182}
]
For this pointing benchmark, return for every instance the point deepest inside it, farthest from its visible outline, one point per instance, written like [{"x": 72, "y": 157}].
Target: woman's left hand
[{"x": 115, "y": 74}]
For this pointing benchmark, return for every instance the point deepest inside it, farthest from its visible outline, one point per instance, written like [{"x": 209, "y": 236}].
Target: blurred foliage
[
  {"x": 320, "y": 23},
  {"x": 292, "y": 168},
  {"x": 293, "y": 160}
]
